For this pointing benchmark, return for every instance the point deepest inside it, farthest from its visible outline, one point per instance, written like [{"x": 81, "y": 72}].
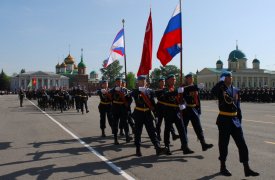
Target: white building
[
  {"x": 243, "y": 77},
  {"x": 38, "y": 79}
]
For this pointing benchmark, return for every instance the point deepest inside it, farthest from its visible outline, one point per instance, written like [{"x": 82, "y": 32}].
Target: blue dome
[
  {"x": 256, "y": 61},
  {"x": 219, "y": 62}
]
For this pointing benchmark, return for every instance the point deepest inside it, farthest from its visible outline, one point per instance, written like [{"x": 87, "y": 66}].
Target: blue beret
[
  {"x": 188, "y": 75},
  {"x": 162, "y": 79},
  {"x": 103, "y": 81},
  {"x": 226, "y": 74},
  {"x": 170, "y": 76},
  {"x": 118, "y": 79},
  {"x": 141, "y": 77}
]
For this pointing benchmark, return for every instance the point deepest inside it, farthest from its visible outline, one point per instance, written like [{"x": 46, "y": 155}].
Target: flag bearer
[{"x": 143, "y": 115}]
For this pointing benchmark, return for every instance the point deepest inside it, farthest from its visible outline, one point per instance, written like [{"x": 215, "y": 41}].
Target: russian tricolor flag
[
  {"x": 171, "y": 41},
  {"x": 117, "y": 49}
]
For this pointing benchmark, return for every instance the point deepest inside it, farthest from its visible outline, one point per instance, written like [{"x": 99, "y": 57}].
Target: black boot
[
  {"x": 205, "y": 146},
  {"x": 168, "y": 152},
  {"x": 128, "y": 138},
  {"x": 248, "y": 171},
  {"x": 103, "y": 133},
  {"x": 160, "y": 150},
  {"x": 175, "y": 137},
  {"x": 138, "y": 152},
  {"x": 223, "y": 170},
  {"x": 116, "y": 140},
  {"x": 121, "y": 132},
  {"x": 186, "y": 149}
]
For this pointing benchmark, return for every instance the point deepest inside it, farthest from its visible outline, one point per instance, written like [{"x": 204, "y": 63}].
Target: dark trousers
[
  {"x": 226, "y": 128},
  {"x": 105, "y": 110},
  {"x": 160, "y": 114},
  {"x": 83, "y": 103},
  {"x": 192, "y": 115},
  {"x": 21, "y": 101},
  {"x": 120, "y": 113},
  {"x": 171, "y": 116},
  {"x": 144, "y": 118}
]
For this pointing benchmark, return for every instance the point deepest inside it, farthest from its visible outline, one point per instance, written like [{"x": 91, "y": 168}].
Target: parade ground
[{"x": 51, "y": 145}]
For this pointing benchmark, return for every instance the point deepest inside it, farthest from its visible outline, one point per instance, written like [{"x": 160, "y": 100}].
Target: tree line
[{"x": 115, "y": 70}]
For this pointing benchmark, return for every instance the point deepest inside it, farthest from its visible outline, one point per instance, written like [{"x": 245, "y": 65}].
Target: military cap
[
  {"x": 123, "y": 80},
  {"x": 162, "y": 79},
  {"x": 103, "y": 81},
  {"x": 118, "y": 79},
  {"x": 170, "y": 76},
  {"x": 226, "y": 74},
  {"x": 189, "y": 75},
  {"x": 141, "y": 77}
]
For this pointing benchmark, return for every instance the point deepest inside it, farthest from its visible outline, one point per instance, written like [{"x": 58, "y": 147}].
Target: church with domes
[
  {"x": 243, "y": 77},
  {"x": 76, "y": 73}
]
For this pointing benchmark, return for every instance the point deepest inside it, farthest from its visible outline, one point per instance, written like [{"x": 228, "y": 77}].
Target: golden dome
[
  {"x": 69, "y": 59},
  {"x": 63, "y": 65}
]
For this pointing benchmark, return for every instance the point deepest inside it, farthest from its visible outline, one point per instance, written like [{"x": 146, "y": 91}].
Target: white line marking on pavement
[
  {"x": 259, "y": 121},
  {"x": 268, "y": 142},
  {"x": 104, "y": 159}
]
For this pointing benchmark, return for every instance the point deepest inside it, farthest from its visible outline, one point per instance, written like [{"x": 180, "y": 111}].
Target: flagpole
[
  {"x": 181, "y": 49},
  {"x": 125, "y": 67}
]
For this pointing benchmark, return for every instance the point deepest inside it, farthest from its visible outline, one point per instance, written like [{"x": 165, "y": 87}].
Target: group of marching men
[
  {"x": 61, "y": 99},
  {"x": 176, "y": 106}
]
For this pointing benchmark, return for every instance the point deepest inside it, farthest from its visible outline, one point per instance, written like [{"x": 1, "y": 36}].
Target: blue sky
[{"x": 35, "y": 34}]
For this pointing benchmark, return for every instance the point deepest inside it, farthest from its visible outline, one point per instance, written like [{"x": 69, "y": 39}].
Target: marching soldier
[
  {"x": 21, "y": 96},
  {"x": 145, "y": 106},
  {"x": 129, "y": 116},
  {"x": 229, "y": 123},
  {"x": 61, "y": 98},
  {"x": 77, "y": 99},
  {"x": 83, "y": 101},
  {"x": 193, "y": 110},
  {"x": 120, "y": 100},
  {"x": 104, "y": 106},
  {"x": 160, "y": 111},
  {"x": 172, "y": 115}
]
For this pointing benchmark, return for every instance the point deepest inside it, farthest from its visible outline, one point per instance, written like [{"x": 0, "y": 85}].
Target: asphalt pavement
[{"x": 52, "y": 145}]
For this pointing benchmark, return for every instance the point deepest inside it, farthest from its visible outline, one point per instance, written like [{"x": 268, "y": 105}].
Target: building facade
[
  {"x": 37, "y": 80},
  {"x": 243, "y": 77},
  {"x": 76, "y": 73}
]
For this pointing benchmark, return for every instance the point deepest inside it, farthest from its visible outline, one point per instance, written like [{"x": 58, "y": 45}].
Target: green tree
[
  {"x": 163, "y": 71},
  {"x": 131, "y": 80},
  {"x": 4, "y": 81},
  {"x": 111, "y": 72}
]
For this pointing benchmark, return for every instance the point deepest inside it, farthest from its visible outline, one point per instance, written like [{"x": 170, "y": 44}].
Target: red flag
[{"x": 146, "y": 59}]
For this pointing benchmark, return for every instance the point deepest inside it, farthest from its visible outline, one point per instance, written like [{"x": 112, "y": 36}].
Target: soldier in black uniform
[
  {"x": 61, "y": 98},
  {"x": 120, "y": 100},
  {"x": 145, "y": 106},
  {"x": 83, "y": 101},
  {"x": 77, "y": 99},
  {"x": 229, "y": 123},
  {"x": 160, "y": 111},
  {"x": 21, "y": 96},
  {"x": 193, "y": 110},
  {"x": 104, "y": 106},
  {"x": 172, "y": 115}
]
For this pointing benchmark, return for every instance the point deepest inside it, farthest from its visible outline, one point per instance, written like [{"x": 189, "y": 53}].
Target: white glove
[
  {"x": 180, "y": 89},
  {"x": 182, "y": 107},
  {"x": 142, "y": 89},
  {"x": 222, "y": 78},
  {"x": 103, "y": 91},
  {"x": 117, "y": 88}
]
